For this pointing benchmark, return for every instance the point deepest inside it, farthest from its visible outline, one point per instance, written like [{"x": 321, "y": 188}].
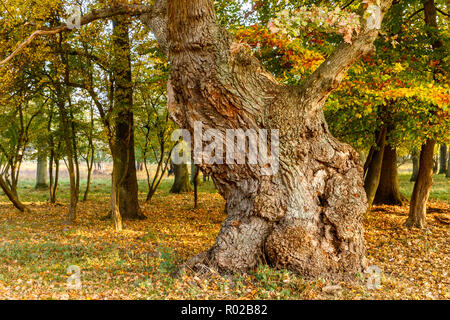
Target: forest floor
[{"x": 37, "y": 248}]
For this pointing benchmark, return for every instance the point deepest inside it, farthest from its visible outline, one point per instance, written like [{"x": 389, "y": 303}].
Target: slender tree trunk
[
  {"x": 443, "y": 159},
  {"x": 72, "y": 214},
  {"x": 196, "y": 181},
  {"x": 11, "y": 196},
  {"x": 67, "y": 126},
  {"x": 415, "y": 157},
  {"x": 370, "y": 156},
  {"x": 90, "y": 166},
  {"x": 115, "y": 201},
  {"x": 50, "y": 174},
  {"x": 181, "y": 182},
  {"x": 41, "y": 172},
  {"x": 67, "y": 137},
  {"x": 305, "y": 215},
  {"x": 75, "y": 152},
  {"x": 55, "y": 183},
  {"x": 422, "y": 187},
  {"x": 194, "y": 173},
  {"x": 388, "y": 191},
  {"x": 13, "y": 182},
  {"x": 372, "y": 178},
  {"x": 124, "y": 160},
  {"x": 159, "y": 175},
  {"x": 90, "y": 155}
]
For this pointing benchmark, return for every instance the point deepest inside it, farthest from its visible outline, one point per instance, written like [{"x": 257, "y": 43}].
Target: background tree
[{"x": 443, "y": 159}]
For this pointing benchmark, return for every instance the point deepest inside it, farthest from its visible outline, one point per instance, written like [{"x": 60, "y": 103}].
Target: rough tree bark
[
  {"x": 308, "y": 216},
  {"x": 443, "y": 159},
  {"x": 373, "y": 173},
  {"x": 388, "y": 191},
  {"x": 41, "y": 172},
  {"x": 422, "y": 187}
]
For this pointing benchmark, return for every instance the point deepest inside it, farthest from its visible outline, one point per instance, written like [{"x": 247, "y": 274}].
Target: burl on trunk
[{"x": 308, "y": 216}]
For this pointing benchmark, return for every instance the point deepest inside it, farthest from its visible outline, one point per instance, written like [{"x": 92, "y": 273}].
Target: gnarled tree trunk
[{"x": 307, "y": 216}]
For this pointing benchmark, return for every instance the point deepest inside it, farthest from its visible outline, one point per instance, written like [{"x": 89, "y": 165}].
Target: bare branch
[
  {"x": 348, "y": 4},
  {"x": 442, "y": 12},
  {"x": 418, "y": 11}
]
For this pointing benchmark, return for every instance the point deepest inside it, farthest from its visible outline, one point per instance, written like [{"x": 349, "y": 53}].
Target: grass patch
[{"x": 439, "y": 191}]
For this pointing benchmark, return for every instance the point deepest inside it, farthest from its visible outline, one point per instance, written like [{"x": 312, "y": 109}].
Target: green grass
[
  {"x": 100, "y": 189},
  {"x": 439, "y": 191}
]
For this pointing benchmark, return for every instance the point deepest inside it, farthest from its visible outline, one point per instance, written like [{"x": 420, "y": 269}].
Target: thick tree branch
[
  {"x": 331, "y": 72},
  {"x": 156, "y": 20}
]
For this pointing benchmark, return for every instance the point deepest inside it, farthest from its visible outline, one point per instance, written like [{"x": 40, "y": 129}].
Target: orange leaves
[
  {"x": 434, "y": 63},
  {"x": 290, "y": 55}
]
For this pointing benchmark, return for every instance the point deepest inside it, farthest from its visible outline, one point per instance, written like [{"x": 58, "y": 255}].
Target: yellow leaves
[
  {"x": 358, "y": 68},
  {"x": 431, "y": 93},
  {"x": 398, "y": 67}
]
